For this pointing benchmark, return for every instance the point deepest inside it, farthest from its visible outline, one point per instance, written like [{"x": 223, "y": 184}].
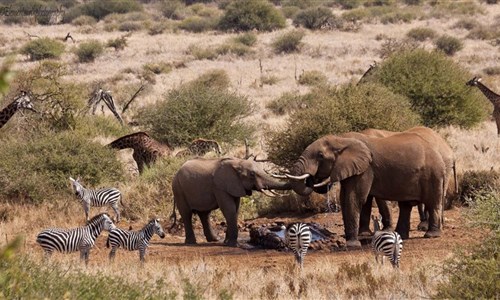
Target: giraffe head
[
  {"x": 474, "y": 81},
  {"x": 23, "y": 101}
]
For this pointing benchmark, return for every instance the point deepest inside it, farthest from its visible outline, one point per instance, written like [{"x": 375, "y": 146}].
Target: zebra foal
[
  {"x": 134, "y": 240},
  {"x": 386, "y": 243},
  {"x": 97, "y": 198},
  {"x": 77, "y": 239},
  {"x": 298, "y": 238}
]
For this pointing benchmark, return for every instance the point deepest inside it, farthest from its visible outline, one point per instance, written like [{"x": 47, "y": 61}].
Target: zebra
[
  {"x": 72, "y": 240},
  {"x": 99, "y": 198},
  {"x": 134, "y": 240},
  {"x": 386, "y": 243},
  {"x": 298, "y": 238}
]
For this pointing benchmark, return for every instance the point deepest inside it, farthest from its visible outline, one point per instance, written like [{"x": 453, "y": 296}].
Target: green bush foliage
[
  {"x": 473, "y": 272},
  {"x": 314, "y": 17},
  {"x": 129, "y": 26},
  {"x": 197, "y": 24},
  {"x": 245, "y": 15},
  {"x": 349, "y": 4},
  {"x": 286, "y": 103},
  {"x": 435, "y": 86},
  {"x": 233, "y": 48},
  {"x": 201, "y": 108},
  {"x": 467, "y": 24},
  {"x": 313, "y": 77},
  {"x": 43, "y": 48},
  {"x": 31, "y": 178},
  {"x": 118, "y": 44},
  {"x": 327, "y": 110},
  {"x": 247, "y": 38},
  {"x": 421, "y": 34},
  {"x": 474, "y": 183},
  {"x": 84, "y": 20},
  {"x": 98, "y": 9},
  {"x": 288, "y": 42},
  {"x": 448, "y": 44},
  {"x": 172, "y": 9},
  {"x": 290, "y": 11},
  {"x": 89, "y": 51}
]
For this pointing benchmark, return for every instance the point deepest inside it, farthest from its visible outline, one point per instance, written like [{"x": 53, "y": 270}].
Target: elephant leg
[
  {"x": 424, "y": 218},
  {"x": 353, "y": 195},
  {"x": 229, "y": 207},
  {"x": 434, "y": 229},
  {"x": 187, "y": 219},
  {"x": 434, "y": 205},
  {"x": 207, "y": 228},
  {"x": 364, "y": 219},
  {"x": 403, "y": 226},
  {"x": 385, "y": 212}
]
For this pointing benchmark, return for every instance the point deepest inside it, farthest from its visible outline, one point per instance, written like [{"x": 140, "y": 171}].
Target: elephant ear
[
  {"x": 227, "y": 178},
  {"x": 353, "y": 159}
]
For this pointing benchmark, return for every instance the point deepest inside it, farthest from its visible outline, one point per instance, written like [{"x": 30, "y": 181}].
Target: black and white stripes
[
  {"x": 298, "y": 238},
  {"x": 134, "y": 240},
  {"x": 97, "y": 198},
  {"x": 77, "y": 239},
  {"x": 386, "y": 243}
]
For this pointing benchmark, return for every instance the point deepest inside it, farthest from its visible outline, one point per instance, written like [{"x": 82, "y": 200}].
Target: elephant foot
[
  {"x": 432, "y": 234},
  {"x": 365, "y": 233},
  {"x": 353, "y": 244},
  {"x": 212, "y": 239},
  {"x": 190, "y": 241},
  {"x": 232, "y": 243},
  {"x": 423, "y": 226}
]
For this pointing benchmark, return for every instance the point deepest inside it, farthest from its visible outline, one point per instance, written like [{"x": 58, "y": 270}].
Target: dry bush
[
  {"x": 484, "y": 33},
  {"x": 467, "y": 24},
  {"x": 448, "y": 44},
  {"x": 157, "y": 28},
  {"x": 84, "y": 20},
  {"x": 288, "y": 42},
  {"x": 88, "y": 51},
  {"x": 43, "y": 48},
  {"x": 421, "y": 34},
  {"x": 99, "y": 9},
  {"x": 286, "y": 103},
  {"x": 245, "y": 15},
  {"x": 129, "y": 26},
  {"x": 198, "y": 24},
  {"x": 474, "y": 183},
  {"x": 314, "y": 17},
  {"x": 118, "y": 44},
  {"x": 492, "y": 71},
  {"x": 158, "y": 67},
  {"x": 247, "y": 38},
  {"x": 313, "y": 77},
  {"x": 202, "y": 53}
]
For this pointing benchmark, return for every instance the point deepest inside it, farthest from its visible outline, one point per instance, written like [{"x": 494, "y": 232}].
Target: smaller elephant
[{"x": 203, "y": 185}]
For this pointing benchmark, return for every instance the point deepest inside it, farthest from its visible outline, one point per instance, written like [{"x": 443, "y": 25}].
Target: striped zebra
[
  {"x": 97, "y": 198},
  {"x": 134, "y": 240},
  {"x": 298, "y": 237},
  {"x": 386, "y": 243},
  {"x": 76, "y": 239}
]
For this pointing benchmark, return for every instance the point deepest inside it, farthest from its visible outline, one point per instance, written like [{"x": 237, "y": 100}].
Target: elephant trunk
[{"x": 303, "y": 182}]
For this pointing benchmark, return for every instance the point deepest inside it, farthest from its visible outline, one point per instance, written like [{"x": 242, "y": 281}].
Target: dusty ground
[{"x": 172, "y": 248}]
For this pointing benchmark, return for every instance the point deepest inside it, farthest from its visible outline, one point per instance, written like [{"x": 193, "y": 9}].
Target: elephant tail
[{"x": 173, "y": 216}]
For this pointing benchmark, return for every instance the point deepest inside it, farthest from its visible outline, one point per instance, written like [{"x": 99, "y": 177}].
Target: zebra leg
[
  {"x": 117, "y": 212},
  {"x": 112, "y": 254},
  {"x": 207, "y": 228},
  {"x": 84, "y": 255},
  {"x": 86, "y": 208},
  {"x": 142, "y": 254}
]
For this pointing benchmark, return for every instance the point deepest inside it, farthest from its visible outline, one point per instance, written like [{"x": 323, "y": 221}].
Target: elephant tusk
[
  {"x": 267, "y": 193},
  {"x": 274, "y": 193},
  {"x": 323, "y": 183},
  {"x": 279, "y": 176},
  {"x": 301, "y": 177}
]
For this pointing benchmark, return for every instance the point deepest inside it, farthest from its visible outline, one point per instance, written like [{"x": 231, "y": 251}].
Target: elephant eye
[
  {"x": 252, "y": 173},
  {"x": 320, "y": 155}
]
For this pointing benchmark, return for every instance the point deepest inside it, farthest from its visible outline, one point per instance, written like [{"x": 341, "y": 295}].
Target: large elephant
[
  {"x": 442, "y": 147},
  {"x": 202, "y": 185},
  {"x": 403, "y": 167}
]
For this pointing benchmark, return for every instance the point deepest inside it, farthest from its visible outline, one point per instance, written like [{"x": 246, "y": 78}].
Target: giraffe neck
[
  {"x": 7, "y": 113},
  {"x": 128, "y": 142},
  {"x": 492, "y": 96}
]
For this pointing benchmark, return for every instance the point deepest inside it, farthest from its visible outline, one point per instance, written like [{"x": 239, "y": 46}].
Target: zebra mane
[{"x": 95, "y": 219}]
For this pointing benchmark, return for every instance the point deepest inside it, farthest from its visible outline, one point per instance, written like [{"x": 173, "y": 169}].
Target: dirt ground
[{"x": 171, "y": 249}]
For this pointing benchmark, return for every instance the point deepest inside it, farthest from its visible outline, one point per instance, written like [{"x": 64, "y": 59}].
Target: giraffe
[
  {"x": 146, "y": 149},
  {"x": 492, "y": 96},
  {"x": 22, "y": 101},
  {"x": 200, "y": 147},
  {"x": 367, "y": 73}
]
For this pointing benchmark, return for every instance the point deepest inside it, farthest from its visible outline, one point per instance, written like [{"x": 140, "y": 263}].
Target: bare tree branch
[{"x": 141, "y": 88}]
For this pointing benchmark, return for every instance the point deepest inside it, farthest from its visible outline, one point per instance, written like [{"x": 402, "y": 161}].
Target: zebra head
[
  {"x": 158, "y": 229},
  {"x": 77, "y": 186}
]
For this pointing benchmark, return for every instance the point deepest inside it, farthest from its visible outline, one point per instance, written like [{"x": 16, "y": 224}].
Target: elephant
[
  {"x": 404, "y": 167},
  {"x": 203, "y": 185},
  {"x": 442, "y": 147}
]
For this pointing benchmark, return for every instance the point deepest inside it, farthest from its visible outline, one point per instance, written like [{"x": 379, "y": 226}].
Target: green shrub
[
  {"x": 101, "y": 8},
  {"x": 198, "y": 52},
  {"x": 89, "y": 51},
  {"x": 217, "y": 79},
  {"x": 474, "y": 183},
  {"x": 288, "y": 42},
  {"x": 43, "y": 48},
  {"x": 286, "y": 103},
  {"x": 84, "y": 20},
  {"x": 44, "y": 176},
  {"x": 435, "y": 86},
  {"x": 201, "y": 108},
  {"x": 157, "y": 28},
  {"x": 118, "y": 43},
  {"x": 247, "y": 15},
  {"x": 130, "y": 26},
  {"x": 233, "y": 48},
  {"x": 453, "y": 8},
  {"x": 302, "y": 4},
  {"x": 248, "y": 39},
  {"x": 329, "y": 110},
  {"x": 349, "y": 4},
  {"x": 314, "y": 17},
  {"x": 398, "y": 16},
  {"x": 269, "y": 79},
  {"x": 197, "y": 24},
  {"x": 379, "y": 2},
  {"x": 421, "y": 34},
  {"x": 290, "y": 11},
  {"x": 483, "y": 33},
  {"x": 158, "y": 67},
  {"x": 448, "y": 44},
  {"x": 468, "y": 24},
  {"x": 312, "y": 78},
  {"x": 172, "y": 9}
]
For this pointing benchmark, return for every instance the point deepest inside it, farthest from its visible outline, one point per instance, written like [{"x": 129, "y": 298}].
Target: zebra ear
[{"x": 71, "y": 178}]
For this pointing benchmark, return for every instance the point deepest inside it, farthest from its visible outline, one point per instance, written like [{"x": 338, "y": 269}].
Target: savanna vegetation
[{"x": 273, "y": 74}]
